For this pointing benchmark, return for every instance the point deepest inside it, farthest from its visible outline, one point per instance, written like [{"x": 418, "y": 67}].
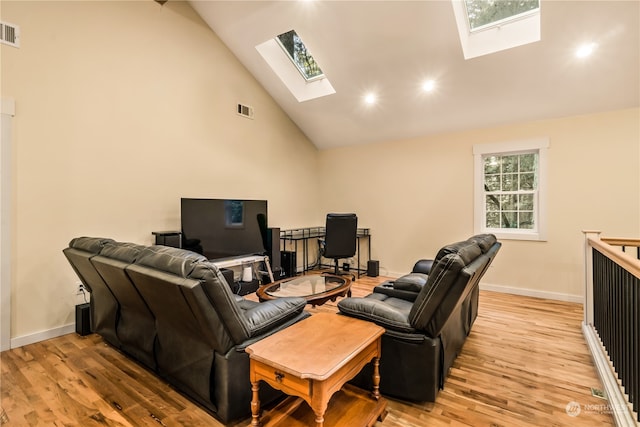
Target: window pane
[
  {"x": 492, "y": 183},
  {"x": 509, "y": 220},
  {"x": 485, "y": 12},
  {"x": 509, "y": 202},
  {"x": 509, "y": 164},
  {"x": 493, "y": 220},
  {"x": 527, "y": 162},
  {"x": 510, "y": 182},
  {"x": 526, "y": 220},
  {"x": 525, "y": 202},
  {"x": 293, "y": 45},
  {"x": 493, "y": 204},
  {"x": 527, "y": 181},
  {"x": 492, "y": 164}
]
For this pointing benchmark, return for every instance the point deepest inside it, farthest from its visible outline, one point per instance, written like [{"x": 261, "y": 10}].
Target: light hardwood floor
[{"x": 523, "y": 363}]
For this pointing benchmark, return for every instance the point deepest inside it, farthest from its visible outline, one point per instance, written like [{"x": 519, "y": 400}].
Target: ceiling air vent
[
  {"x": 9, "y": 34},
  {"x": 245, "y": 111}
]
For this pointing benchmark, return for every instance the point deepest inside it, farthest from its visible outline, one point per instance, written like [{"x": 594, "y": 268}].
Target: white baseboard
[
  {"x": 41, "y": 336},
  {"x": 618, "y": 404},
  {"x": 532, "y": 293}
]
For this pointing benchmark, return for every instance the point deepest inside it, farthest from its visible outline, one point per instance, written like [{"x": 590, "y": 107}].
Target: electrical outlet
[{"x": 81, "y": 293}]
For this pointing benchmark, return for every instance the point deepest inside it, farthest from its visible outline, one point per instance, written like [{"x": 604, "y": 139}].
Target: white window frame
[{"x": 541, "y": 145}]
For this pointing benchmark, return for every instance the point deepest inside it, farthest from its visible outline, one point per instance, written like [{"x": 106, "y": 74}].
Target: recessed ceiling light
[
  {"x": 428, "y": 85},
  {"x": 585, "y": 50},
  {"x": 370, "y": 98}
]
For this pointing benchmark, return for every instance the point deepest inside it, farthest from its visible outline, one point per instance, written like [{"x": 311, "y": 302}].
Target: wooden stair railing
[{"x": 611, "y": 323}]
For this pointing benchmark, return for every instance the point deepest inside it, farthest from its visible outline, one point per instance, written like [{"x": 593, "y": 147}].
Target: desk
[
  {"x": 174, "y": 239},
  {"x": 168, "y": 238},
  {"x": 242, "y": 260},
  {"x": 303, "y": 235}
]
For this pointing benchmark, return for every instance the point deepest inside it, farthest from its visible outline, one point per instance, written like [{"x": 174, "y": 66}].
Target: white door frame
[{"x": 7, "y": 111}]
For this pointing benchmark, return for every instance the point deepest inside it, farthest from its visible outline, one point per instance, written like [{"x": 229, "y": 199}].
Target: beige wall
[
  {"x": 417, "y": 195},
  {"x": 123, "y": 108}
]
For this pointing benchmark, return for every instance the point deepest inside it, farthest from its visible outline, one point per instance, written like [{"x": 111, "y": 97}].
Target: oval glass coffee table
[{"x": 315, "y": 288}]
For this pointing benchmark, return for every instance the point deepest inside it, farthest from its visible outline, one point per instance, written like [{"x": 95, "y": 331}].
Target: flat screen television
[{"x": 222, "y": 228}]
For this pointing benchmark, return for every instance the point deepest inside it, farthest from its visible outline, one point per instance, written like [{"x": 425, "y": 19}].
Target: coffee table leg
[
  {"x": 376, "y": 378},
  {"x": 319, "y": 419},
  {"x": 255, "y": 404}
]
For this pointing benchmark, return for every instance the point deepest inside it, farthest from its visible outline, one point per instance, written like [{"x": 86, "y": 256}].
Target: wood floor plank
[{"x": 524, "y": 361}]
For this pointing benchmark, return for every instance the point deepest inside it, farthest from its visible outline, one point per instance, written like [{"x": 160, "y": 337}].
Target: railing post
[{"x": 588, "y": 275}]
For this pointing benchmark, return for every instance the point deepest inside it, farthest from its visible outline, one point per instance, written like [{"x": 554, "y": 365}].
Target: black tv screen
[{"x": 222, "y": 228}]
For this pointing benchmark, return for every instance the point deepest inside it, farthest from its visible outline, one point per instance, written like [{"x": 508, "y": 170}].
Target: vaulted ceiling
[{"x": 391, "y": 47}]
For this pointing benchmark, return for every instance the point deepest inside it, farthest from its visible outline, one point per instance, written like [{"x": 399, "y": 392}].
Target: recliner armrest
[
  {"x": 270, "y": 314},
  {"x": 389, "y": 290},
  {"x": 377, "y": 311},
  {"x": 423, "y": 266}
]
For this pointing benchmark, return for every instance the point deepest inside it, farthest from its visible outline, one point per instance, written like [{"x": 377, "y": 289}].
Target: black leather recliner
[
  {"x": 427, "y": 316},
  {"x": 173, "y": 311}
]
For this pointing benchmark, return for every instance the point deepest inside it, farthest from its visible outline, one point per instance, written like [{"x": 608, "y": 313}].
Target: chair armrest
[
  {"x": 388, "y": 289},
  {"x": 423, "y": 266},
  {"x": 377, "y": 311},
  {"x": 270, "y": 314}
]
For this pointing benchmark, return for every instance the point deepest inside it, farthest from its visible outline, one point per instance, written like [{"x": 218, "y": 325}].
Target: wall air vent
[
  {"x": 9, "y": 34},
  {"x": 245, "y": 111}
]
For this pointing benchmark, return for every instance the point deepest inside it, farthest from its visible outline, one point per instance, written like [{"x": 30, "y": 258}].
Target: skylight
[
  {"x": 486, "y": 13},
  {"x": 489, "y": 26},
  {"x": 292, "y": 62},
  {"x": 299, "y": 54}
]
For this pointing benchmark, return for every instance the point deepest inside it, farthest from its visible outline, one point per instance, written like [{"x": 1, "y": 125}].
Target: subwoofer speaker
[
  {"x": 273, "y": 249},
  {"x": 373, "y": 268},
  {"x": 288, "y": 260},
  {"x": 83, "y": 320}
]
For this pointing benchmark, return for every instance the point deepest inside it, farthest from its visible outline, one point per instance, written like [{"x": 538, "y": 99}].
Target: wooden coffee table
[
  {"x": 312, "y": 360},
  {"x": 315, "y": 288}
]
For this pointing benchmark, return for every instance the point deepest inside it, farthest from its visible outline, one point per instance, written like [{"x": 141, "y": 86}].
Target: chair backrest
[
  {"x": 136, "y": 327},
  {"x": 104, "y": 306},
  {"x": 453, "y": 270},
  {"x": 340, "y": 238},
  {"x": 187, "y": 338}
]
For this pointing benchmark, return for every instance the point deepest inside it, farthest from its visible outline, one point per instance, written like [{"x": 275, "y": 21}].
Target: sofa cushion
[
  {"x": 171, "y": 260},
  {"x": 90, "y": 244},
  {"x": 125, "y": 252},
  {"x": 412, "y": 282},
  {"x": 388, "y": 312},
  {"x": 461, "y": 248},
  {"x": 485, "y": 241}
]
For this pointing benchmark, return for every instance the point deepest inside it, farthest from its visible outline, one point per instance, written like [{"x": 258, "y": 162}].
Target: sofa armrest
[
  {"x": 377, "y": 311},
  {"x": 270, "y": 314},
  {"x": 242, "y": 346}
]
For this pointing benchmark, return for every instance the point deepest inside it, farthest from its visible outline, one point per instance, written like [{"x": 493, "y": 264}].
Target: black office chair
[{"x": 340, "y": 239}]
